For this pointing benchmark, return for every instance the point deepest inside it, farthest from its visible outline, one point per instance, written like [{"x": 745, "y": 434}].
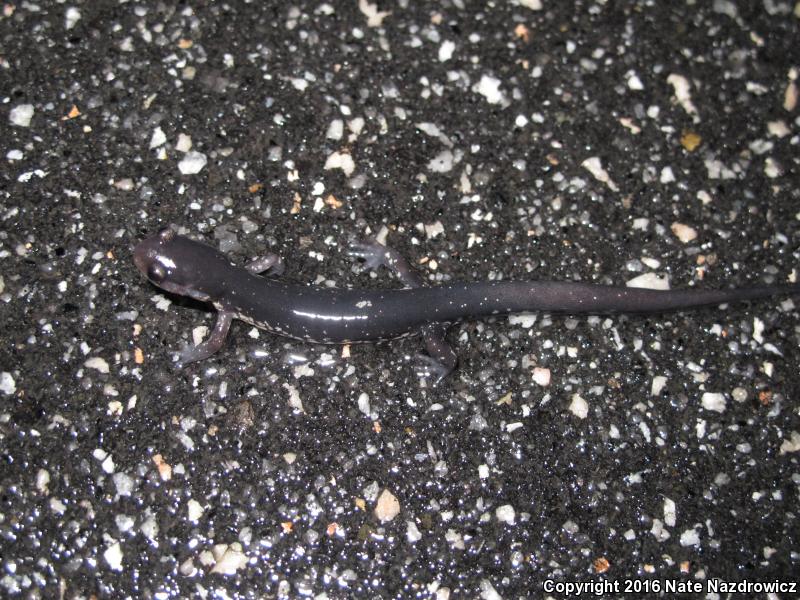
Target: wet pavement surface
[{"x": 597, "y": 142}]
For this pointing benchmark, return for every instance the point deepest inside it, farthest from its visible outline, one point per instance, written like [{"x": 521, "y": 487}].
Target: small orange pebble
[
  {"x": 601, "y": 564},
  {"x": 164, "y": 469},
  {"x": 255, "y": 187},
  {"x": 523, "y": 33},
  {"x": 690, "y": 140},
  {"x": 361, "y": 503},
  {"x": 185, "y": 44},
  {"x": 296, "y": 204},
  {"x": 332, "y": 528},
  {"x": 287, "y": 526},
  {"x": 376, "y": 426},
  {"x": 765, "y": 397},
  {"x": 73, "y": 112},
  {"x": 333, "y": 201},
  {"x": 138, "y": 356},
  {"x": 790, "y": 97}
]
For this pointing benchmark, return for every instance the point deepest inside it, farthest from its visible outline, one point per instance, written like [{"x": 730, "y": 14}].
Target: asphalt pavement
[{"x": 637, "y": 142}]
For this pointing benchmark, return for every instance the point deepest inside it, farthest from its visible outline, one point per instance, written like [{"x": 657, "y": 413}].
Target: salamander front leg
[
  {"x": 271, "y": 264},
  {"x": 375, "y": 255},
  {"x": 211, "y": 344},
  {"x": 441, "y": 359}
]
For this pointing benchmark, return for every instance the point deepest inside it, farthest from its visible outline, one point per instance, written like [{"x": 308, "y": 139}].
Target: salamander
[{"x": 324, "y": 315}]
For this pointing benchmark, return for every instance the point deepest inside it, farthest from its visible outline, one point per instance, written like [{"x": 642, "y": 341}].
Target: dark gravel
[{"x": 664, "y": 449}]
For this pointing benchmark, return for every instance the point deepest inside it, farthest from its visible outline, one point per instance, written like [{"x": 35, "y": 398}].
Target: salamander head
[{"x": 180, "y": 265}]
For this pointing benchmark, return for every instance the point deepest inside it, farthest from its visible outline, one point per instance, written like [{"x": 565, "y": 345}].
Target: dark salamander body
[{"x": 337, "y": 316}]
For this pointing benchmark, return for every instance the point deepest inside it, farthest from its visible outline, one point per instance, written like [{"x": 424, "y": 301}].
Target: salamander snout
[
  {"x": 180, "y": 265},
  {"x": 149, "y": 254},
  {"x": 140, "y": 257}
]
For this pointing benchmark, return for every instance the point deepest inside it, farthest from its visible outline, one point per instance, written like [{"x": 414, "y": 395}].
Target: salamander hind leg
[
  {"x": 441, "y": 359},
  {"x": 271, "y": 264},
  {"x": 211, "y": 344}
]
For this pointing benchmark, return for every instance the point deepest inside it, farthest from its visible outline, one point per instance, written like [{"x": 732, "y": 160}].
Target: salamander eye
[
  {"x": 156, "y": 273},
  {"x": 166, "y": 234}
]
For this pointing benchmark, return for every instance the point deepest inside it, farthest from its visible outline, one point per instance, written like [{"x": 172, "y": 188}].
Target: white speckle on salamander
[{"x": 364, "y": 304}]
